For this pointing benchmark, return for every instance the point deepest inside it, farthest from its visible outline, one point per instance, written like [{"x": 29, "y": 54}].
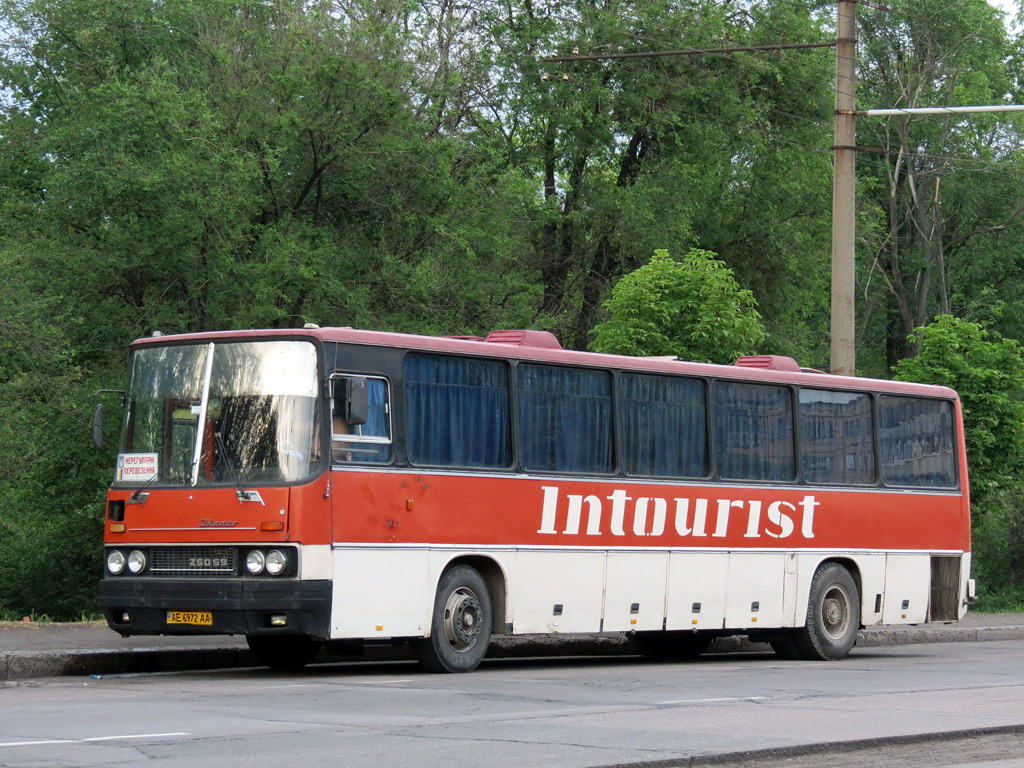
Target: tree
[
  {"x": 627, "y": 156},
  {"x": 946, "y": 186},
  {"x": 186, "y": 166},
  {"x": 693, "y": 309},
  {"x": 988, "y": 372},
  {"x": 256, "y": 164},
  {"x": 51, "y": 498}
]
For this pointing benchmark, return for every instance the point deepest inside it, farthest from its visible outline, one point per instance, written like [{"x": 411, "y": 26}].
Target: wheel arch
[
  {"x": 496, "y": 580},
  {"x": 852, "y": 567}
]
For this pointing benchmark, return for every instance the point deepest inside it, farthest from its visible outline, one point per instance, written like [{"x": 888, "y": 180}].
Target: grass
[
  {"x": 44, "y": 618},
  {"x": 1005, "y": 601}
]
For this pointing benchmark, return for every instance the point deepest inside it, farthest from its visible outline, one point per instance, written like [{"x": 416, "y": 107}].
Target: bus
[{"x": 347, "y": 487}]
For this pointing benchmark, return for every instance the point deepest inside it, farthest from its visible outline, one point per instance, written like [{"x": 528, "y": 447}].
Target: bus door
[{"x": 360, "y": 439}]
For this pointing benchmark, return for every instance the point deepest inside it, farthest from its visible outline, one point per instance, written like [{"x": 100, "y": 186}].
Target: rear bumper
[{"x": 238, "y": 606}]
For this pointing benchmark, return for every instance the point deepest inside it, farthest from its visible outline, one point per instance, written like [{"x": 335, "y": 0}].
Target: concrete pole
[{"x": 844, "y": 192}]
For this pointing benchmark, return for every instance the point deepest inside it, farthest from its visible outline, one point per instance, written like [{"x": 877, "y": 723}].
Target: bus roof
[{"x": 541, "y": 346}]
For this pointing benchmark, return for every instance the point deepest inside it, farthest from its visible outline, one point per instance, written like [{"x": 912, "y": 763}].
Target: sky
[{"x": 1010, "y": 6}]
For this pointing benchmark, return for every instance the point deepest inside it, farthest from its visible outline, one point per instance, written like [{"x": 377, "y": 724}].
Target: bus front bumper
[{"x": 216, "y": 606}]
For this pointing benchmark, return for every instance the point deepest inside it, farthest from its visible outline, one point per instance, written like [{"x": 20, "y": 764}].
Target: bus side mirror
[
  {"x": 97, "y": 425},
  {"x": 97, "y": 414},
  {"x": 357, "y": 400}
]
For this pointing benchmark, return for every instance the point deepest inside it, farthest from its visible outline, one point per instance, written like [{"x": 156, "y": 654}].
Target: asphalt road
[
  {"x": 943, "y": 704},
  {"x": 33, "y": 650}
]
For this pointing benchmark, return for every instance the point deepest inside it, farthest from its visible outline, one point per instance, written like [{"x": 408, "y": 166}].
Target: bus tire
[
  {"x": 785, "y": 646},
  {"x": 833, "y": 615},
  {"x": 678, "y": 645},
  {"x": 460, "y": 627},
  {"x": 284, "y": 652}
]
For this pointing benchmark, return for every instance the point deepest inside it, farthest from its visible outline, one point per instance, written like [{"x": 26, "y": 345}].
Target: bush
[
  {"x": 988, "y": 372},
  {"x": 693, "y": 309}
]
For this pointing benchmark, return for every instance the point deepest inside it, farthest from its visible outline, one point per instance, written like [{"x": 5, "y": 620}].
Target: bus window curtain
[
  {"x": 836, "y": 437},
  {"x": 376, "y": 424},
  {"x": 916, "y": 442},
  {"x": 457, "y": 411},
  {"x": 754, "y": 432},
  {"x": 663, "y": 426},
  {"x": 565, "y": 419}
]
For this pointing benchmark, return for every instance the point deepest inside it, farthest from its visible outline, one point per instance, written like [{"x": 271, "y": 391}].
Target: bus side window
[
  {"x": 917, "y": 442},
  {"x": 360, "y": 419},
  {"x": 754, "y": 430}
]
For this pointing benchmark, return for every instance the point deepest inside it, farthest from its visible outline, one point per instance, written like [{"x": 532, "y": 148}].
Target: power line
[{"x": 688, "y": 52}]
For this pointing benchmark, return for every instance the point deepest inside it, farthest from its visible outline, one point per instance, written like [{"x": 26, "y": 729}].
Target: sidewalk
[{"x": 32, "y": 650}]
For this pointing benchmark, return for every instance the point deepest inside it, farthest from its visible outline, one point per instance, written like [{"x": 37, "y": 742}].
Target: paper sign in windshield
[{"x": 136, "y": 467}]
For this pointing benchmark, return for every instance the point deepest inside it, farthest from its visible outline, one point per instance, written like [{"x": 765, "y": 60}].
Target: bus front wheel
[
  {"x": 283, "y": 652},
  {"x": 833, "y": 615},
  {"x": 460, "y": 628}
]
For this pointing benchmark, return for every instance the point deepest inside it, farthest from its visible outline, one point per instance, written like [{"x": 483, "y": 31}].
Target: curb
[
  {"x": 874, "y": 638},
  {"x": 26, "y": 665}
]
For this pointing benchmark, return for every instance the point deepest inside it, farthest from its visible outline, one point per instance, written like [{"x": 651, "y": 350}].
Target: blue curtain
[
  {"x": 754, "y": 432},
  {"x": 565, "y": 419},
  {"x": 376, "y": 424},
  {"x": 836, "y": 437},
  {"x": 663, "y": 426},
  {"x": 457, "y": 411},
  {"x": 916, "y": 442}
]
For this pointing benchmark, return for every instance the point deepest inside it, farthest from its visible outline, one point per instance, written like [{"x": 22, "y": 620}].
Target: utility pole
[{"x": 844, "y": 192}]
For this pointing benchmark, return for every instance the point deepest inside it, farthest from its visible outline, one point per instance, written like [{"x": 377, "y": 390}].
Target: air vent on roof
[
  {"x": 768, "y": 362},
  {"x": 524, "y": 339}
]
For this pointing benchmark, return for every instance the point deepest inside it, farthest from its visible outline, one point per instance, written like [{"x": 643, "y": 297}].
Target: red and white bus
[{"x": 337, "y": 485}]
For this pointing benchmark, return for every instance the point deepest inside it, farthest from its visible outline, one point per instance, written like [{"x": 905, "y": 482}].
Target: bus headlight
[
  {"x": 254, "y": 562},
  {"x": 136, "y": 562},
  {"x": 275, "y": 562},
  {"x": 115, "y": 562}
]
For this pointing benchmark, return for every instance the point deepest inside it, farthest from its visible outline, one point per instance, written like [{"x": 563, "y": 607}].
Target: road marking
[
  {"x": 44, "y": 742},
  {"x": 136, "y": 736},
  {"x": 712, "y": 701},
  {"x": 34, "y": 743}
]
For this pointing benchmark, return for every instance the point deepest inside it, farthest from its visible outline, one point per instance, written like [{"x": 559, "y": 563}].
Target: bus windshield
[{"x": 221, "y": 413}]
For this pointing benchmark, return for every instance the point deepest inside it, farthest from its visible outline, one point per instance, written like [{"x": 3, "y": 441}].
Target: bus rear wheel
[
  {"x": 833, "y": 615},
  {"x": 460, "y": 627},
  {"x": 283, "y": 652}
]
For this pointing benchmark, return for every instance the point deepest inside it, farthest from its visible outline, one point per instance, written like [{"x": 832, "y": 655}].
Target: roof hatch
[
  {"x": 768, "y": 362},
  {"x": 544, "y": 339}
]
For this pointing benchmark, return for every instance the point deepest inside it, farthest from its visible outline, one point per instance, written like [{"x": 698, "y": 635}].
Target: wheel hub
[
  {"x": 835, "y": 613},
  {"x": 462, "y": 619}
]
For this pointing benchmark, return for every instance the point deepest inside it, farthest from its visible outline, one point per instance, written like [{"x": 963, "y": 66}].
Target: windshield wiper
[
  {"x": 137, "y": 494},
  {"x": 235, "y": 468}
]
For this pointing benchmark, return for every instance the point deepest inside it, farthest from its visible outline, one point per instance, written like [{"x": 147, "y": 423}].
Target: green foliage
[
  {"x": 632, "y": 155},
  {"x": 186, "y": 166},
  {"x": 998, "y": 541},
  {"x": 50, "y": 524},
  {"x": 693, "y": 309},
  {"x": 1007, "y": 600},
  {"x": 941, "y": 207},
  {"x": 988, "y": 372}
]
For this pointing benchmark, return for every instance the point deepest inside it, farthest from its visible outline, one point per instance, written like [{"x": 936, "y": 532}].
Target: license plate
[{"x": 198, "y": 618}]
